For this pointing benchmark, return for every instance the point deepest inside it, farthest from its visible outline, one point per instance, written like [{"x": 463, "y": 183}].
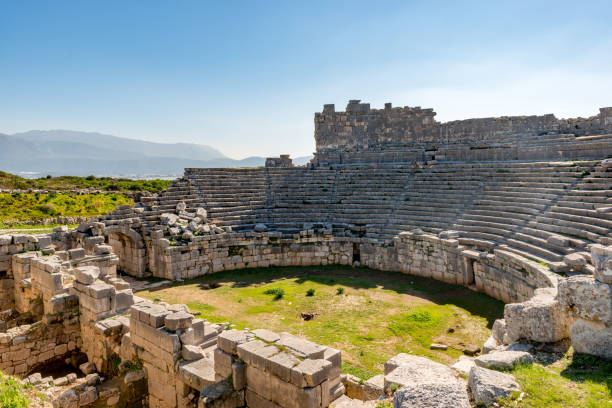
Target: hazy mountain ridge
[{"x": 65, "y": 152}]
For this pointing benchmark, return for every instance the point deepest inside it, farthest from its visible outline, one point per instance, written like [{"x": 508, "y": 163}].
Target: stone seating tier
[{"x": 543, "y": 210}]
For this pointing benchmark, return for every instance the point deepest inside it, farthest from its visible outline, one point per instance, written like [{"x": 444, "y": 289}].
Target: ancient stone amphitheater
[{"x": 519, "y": 208}]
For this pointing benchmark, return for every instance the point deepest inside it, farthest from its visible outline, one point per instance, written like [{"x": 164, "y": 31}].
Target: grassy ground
[
  {"x": 372, "y": 315},
  {"x": 34, "y": 206},
  {"x": 30, "y": 229},
  {"x": 11, "y": 181},
  {"x": 575, "y": 380},
  {"x": 369, "y": 315}
]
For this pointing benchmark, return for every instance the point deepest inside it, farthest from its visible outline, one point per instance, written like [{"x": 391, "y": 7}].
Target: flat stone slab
[
  {"x": 487, "y": 386},
  {"x": 87, "y": 274},
  {"x": 346, "y": 402},
  {"x": 198, "y": 374},
  {"x": 464, "y": 365},
  {"x": 504, "y": 360},
  {"x": 425, "y": 383},
  {"x": 300, "y": 347},
  {"x": 432, "y": 395},
  {"x": 178, "y": 320}
]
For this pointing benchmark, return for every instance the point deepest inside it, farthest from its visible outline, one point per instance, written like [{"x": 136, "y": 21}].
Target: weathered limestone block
[
  {"x": 272, "y": 388},
  {"x": 266, "y": 335},
  {"x": 256, "y": 353},
  {"x": 87, "y": 274},
  {"x": 239, "y": 375},
  {"x": 281, "y": 365},
  {"x": 76, "y": 253},
  {"x": 434, "y": 395},
  {"x": 487, "y": 386},
  {"x": 504, "y": 360},
  {"x": 124, "y": 299},
  {"x": 310, "y": 373},
  {"x": 464, "y": 365},
  {"x": 405, "y": 369},
  {"x": 592, "y": 338},
  {"x": 584, "y": 297},
  {"x": 223, "y": 363},
  {"x": 103, "y": 249},
  {"x": 229, "y": 340},
  {"x": 539, "y": 319},
  {"x": 374, "y": 388},
  {"x": 601, "y": 256},
  {"x": 191, "y": 353},
  {"x": 220, "y": 395},
  {"x": 178, "y": 320},
  {"x": 300, "y": 347}
]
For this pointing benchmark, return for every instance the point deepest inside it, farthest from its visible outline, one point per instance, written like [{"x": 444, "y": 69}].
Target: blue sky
[{"x": 246, "y": 77}]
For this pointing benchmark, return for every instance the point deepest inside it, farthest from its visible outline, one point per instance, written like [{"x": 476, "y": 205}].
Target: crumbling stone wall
[
  {"x": 283, "y": 161},
  {"x": 214, "y": 253},
  {"x": 270, "y": 369},
  {"x": 405, "y": 134}
]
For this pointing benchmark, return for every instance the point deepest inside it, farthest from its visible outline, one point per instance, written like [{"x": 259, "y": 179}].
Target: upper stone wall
[{"x": 360, "y": 126}]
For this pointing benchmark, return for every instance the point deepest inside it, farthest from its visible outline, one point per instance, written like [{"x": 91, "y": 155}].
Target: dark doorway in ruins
[{"x": 356, "y": 253}]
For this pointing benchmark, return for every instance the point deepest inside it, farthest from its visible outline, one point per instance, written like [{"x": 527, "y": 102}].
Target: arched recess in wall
[{"x": 129, "y": 246}]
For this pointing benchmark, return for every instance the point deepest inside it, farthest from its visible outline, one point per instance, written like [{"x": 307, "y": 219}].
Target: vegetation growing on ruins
[
  {"x": 14, "y": 394},
  {"x": 19, "y": 207},
  {"x": 374, "y": 317},
  {"x": 64, "y": 183},
  {"x": 575, "y": 380}
]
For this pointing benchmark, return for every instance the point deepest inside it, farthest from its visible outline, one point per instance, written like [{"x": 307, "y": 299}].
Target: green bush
[
  {"x": 339, "y": 291},
  {"x": 277, "y": 292},
  {"x": 11, "y": 395},
  {"x": 310, "y": 292}
]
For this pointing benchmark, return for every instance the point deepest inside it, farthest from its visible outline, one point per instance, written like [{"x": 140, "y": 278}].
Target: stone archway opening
[{"x": 129, "y": 247}]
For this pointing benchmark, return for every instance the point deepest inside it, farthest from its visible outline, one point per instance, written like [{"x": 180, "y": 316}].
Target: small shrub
[
  {"x": 384, "y": 404},
  {"x": 11, "y": 395},
  {"x": 310, "y": 292},
  {"x": 277, "y": 292},
  {"x": 585, "y": 173},
  {"x": 48, "y": 209},
  {"x": 339, "y": 291}
]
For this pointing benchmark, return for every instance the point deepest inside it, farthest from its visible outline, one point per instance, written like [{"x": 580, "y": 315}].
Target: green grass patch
[
  {"x": 63, "y": 183},
  {"x": 577, "y": 381},
  {"x": 369, "y": 315},
  {"x": 12, "y": 393},
  {"x": 34, "y": 206}
]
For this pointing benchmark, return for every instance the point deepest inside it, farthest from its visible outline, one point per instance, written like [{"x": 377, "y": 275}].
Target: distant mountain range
[{"x": 67, "y": 152}]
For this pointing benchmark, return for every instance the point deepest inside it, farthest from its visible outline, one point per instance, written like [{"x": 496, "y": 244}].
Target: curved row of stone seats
[
  {"x": 367, "y": 196},
  {"x": 542, "y": 210},
  {"x": 231, "y": 196},
  {"x": 298, "y": 196},
  {"x": 521, "y": 210}
]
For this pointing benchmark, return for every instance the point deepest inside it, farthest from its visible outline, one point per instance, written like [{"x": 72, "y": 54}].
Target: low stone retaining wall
[{"x": 501, "y": 274}]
